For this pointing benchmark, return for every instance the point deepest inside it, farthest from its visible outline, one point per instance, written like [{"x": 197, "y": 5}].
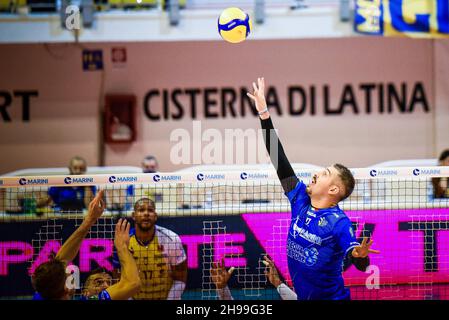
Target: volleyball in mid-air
[{"x": 234, "y": 25}]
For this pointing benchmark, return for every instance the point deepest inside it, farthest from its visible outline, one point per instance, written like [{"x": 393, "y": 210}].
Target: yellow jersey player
[{"x": 159, "y": 255}]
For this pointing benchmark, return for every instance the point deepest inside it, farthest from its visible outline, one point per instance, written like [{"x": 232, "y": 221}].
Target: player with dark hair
[
  {"x": 97, "y": 280},
  {"x": 159, "y": 255},
  {"x": 49, "y": 278},
  {"x": 320, "y": 235}
]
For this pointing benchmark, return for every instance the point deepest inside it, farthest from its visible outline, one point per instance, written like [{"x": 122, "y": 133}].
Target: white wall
[{"x": 64, "y": 118}]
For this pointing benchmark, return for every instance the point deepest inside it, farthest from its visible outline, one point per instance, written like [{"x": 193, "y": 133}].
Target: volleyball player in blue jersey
[{"x": 320, "y": 236}]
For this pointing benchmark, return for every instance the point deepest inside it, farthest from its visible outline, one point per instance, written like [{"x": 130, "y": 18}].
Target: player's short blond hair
[{"x": 346, "y": 178}]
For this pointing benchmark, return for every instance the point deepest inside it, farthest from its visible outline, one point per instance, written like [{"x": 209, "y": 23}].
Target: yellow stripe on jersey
[{"x": 154, "y": 270}]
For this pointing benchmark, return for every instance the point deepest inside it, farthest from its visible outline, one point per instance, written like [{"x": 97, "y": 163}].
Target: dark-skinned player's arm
[
  {"x": 220, "y": 277},
  {"x": 273, "y": 276}
]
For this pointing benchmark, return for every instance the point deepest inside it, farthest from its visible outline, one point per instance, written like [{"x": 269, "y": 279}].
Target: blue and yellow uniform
[{"x": 155, "y": 261}]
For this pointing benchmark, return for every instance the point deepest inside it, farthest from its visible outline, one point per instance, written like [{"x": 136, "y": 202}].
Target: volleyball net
[{"x": 236, "y": 217}]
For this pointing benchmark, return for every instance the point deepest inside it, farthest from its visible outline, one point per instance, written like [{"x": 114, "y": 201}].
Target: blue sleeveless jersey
[{"x": 317, "y": 243}]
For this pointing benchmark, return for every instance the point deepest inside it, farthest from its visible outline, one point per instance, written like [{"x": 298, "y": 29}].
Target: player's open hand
[
  {"x": 258, "y": 95},
  {"x": 122, "y": 234},
  {"x": 364, "y": 249},
  {"x": 271, "y": 272},
  {"x": 219, "y": 275},
  {"x": 96, "y": 207}
]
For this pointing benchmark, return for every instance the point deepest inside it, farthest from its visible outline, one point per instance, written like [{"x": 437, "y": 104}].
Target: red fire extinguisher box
[{"x": 120, "y": 118}]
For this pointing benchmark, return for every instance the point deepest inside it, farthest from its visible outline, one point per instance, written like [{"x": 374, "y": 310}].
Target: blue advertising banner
[{"x": 92, "y": 60}]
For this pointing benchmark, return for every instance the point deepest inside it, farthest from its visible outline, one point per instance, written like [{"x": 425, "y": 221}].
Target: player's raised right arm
[{"x": 274, "y": 147}]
